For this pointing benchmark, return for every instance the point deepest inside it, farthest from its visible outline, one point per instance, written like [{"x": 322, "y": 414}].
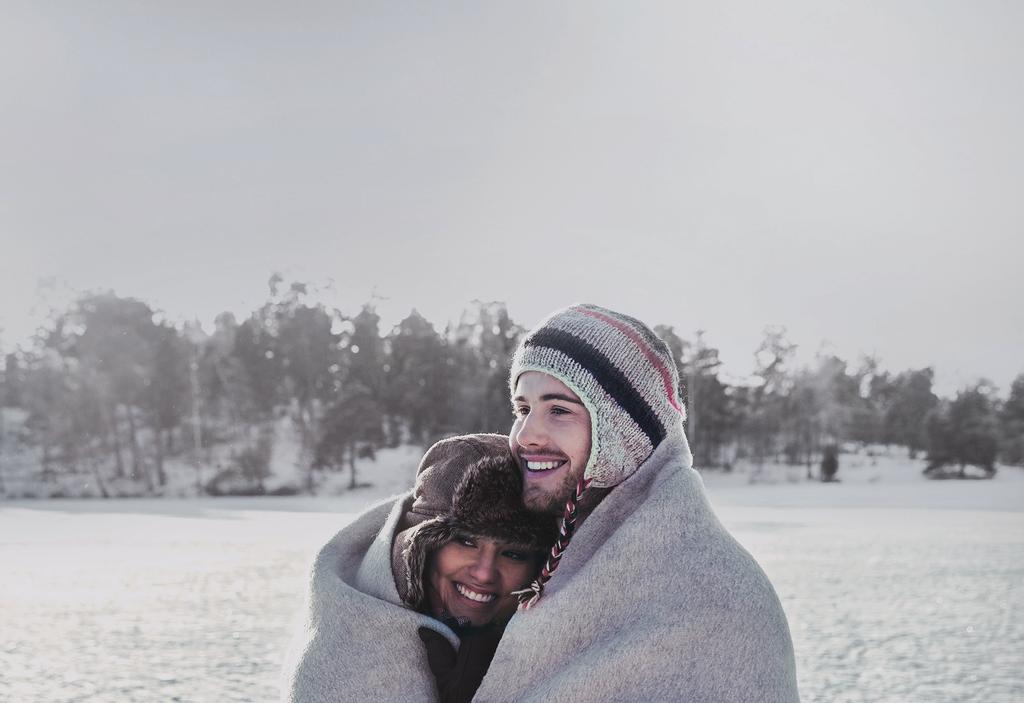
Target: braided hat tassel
[{"x": 529, "y": 596}]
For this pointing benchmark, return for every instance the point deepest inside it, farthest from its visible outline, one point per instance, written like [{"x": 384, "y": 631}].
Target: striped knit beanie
[{"x": 624, "y": 374}]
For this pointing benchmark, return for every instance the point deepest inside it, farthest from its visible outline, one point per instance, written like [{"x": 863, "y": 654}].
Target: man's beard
[{"x": 540, "y": 500}]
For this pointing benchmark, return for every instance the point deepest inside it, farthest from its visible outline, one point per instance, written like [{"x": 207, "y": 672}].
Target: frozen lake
[{"x": 892, "y": 591}]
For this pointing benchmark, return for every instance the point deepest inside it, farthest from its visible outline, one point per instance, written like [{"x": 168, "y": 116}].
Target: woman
[
  {"x": 466, "y": 546},
  {"x": 444, "y": 565}
]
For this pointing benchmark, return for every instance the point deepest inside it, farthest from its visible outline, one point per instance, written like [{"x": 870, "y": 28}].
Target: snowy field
[{"x": 897, "y": 589}]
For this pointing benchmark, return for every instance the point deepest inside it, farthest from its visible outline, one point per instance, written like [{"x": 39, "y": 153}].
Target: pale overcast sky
[{"x": 850, "y": 170}]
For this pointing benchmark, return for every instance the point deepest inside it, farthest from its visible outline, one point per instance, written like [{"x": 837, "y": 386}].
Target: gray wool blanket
[
  {"x": 357, "y": 641},
  {"x": 653, "y": 601}
]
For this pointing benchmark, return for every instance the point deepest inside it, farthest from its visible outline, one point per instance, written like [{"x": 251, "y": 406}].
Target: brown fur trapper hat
[{"x": 468, "y": 485}]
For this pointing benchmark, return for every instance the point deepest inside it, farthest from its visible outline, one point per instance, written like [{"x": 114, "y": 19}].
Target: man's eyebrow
[
  {"x": 549, "y": 397},
  {"x": 561, "y": 396}
]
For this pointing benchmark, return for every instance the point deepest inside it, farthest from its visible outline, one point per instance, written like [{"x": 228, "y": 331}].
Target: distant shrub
[
  {"x": 229, "y": 482},
  {"x": 962, "y": 433},
  {"x": 1012, "y": 450},
  {"x": 830, "y": 463},
  {"x": 246, "y": 472},
  {"x": 1011, "y": 418}
]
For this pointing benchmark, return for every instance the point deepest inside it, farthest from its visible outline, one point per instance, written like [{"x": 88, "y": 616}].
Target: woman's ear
[
  {"x": 427, "y": 537},
  {"x": 425, "y": 586}
]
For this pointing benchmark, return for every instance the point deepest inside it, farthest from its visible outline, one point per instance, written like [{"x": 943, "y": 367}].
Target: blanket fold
[{"x": 357, "y": 641}]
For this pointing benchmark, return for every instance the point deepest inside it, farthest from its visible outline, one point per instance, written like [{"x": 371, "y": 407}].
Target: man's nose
[{"x": 531, "y": 431}]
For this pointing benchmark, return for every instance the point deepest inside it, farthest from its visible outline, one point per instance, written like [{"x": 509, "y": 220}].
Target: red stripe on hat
[{"x": 666, "y": 375}]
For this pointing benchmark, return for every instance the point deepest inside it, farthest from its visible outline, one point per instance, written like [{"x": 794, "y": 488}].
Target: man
[{"x": 645, "y": 596}]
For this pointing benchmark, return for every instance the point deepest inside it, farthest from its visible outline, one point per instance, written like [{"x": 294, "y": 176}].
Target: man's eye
[
  {"x": 514, "y": 555},
  {"x": 465, "y": 541}
]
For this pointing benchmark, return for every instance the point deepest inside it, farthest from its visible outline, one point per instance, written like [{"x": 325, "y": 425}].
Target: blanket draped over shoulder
[
  {"x": 357, "y": 641},
  {"x": 653, "y": 601}
]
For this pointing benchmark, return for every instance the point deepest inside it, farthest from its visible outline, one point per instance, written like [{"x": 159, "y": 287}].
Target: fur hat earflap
[
  {"x": 486, "y": 502},
  {"x": 426, "y": 537}
]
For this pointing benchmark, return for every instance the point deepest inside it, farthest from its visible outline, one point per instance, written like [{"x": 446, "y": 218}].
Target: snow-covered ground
[{"x": 897, "y": 588}]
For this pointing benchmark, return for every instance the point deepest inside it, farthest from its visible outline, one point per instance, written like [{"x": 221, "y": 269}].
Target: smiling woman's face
[{"x": 472, "y": 578}]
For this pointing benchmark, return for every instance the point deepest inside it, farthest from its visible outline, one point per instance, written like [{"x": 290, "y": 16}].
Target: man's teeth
[
  {"x": 543, "y": 465},
  {"x": 473, "y": 595}
]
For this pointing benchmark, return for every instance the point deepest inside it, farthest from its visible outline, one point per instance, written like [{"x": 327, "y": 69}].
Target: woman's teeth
[
  {"x": 543, "y": 465},
  {"x": 473, "y": 595}
]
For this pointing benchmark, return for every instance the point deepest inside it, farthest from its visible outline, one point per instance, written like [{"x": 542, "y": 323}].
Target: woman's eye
[
  {"x": 466, "y": 541},
  {"x": 514, "y": 555},
  {"x": 521, "y": 411},
  {"x": 559, "y": 411}
]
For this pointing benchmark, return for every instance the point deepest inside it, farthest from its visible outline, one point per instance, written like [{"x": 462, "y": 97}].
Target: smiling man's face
[{"x": 550, "y": 439}]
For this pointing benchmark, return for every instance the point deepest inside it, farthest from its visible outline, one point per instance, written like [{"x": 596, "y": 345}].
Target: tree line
[{"x": 112, "y": 391}]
